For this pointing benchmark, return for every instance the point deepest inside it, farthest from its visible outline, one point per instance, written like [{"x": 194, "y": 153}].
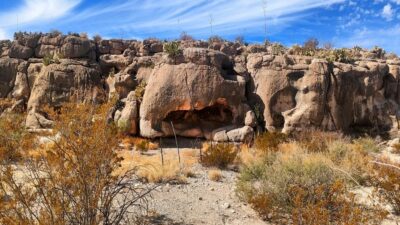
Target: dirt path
[{"x": 203, "y": 201}]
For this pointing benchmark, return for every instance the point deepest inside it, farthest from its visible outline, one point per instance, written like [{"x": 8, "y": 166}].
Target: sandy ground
[{"x": 203, "y": 201}]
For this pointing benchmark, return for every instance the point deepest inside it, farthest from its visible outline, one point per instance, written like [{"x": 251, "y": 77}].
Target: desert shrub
[
  {"x": 266, "y": 184},
  {"x": 240, "y": 39},
  {"x": 143, "y": 145},
  {"x": 351, "y": 160},
  {"x": 215, "y": 39},
  {"x": 340, "y": 55},
  {"x": 269, "y": 141},
  {"x": 277, "y": 49},
  {"x": 55, "y": 33},
  {"x": 311, "y": 44},
  {"x": 83, "y": 35},
  {"x": 215, "y": 175},
  {"x": 257, "y": 109},
  {"x": 386, "y": 178},
  {"x": 139, "y": 90},
  {"x": 219, "y": 155},
  {"x": 15, "y": 140},
  {"x": 48, "y": 59},
  {"x": 315, "y": 141},
  {"x": 357, "y": 48},
  {"x": 331, "y": 204},
  {"x": 367, "y": 145},
  {"x": 151, "y": 169},
  {"x": 172, "y": 49},
  {"x": 379, "y": 52},
  {"x": 296, "y": 50},
  {"x": 6, "y": 103},
  {"x": 97, "y": 38},
  {"x": 130, "y": 142},
  {"x": 186, "y": 37},
  {"x": 299, "y": 188},
  {"x": 328, "y": 45},
  {"x": 74, "y": 181},
  {"x": 52, "y": 58}
]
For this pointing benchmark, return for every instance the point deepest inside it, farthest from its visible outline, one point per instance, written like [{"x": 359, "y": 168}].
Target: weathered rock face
[
  {"x": 8, "y": 73},
  {"x": 216, "y": 90},
  {"x": 194, "y": 97},
  {"x": 58, "y": 83},
  {"x": 127, "y": 118},
  {"x": 299, "y": 93}
]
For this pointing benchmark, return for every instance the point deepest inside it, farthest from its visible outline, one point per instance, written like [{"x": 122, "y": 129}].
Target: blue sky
[{"x": 344, "y": 23}]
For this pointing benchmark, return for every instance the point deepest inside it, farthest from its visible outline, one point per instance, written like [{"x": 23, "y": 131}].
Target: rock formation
[{"x": 216, "y": 90}]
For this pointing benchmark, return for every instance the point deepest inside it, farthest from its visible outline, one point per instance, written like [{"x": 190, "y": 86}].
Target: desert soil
[{"x": 203, "y": 201}]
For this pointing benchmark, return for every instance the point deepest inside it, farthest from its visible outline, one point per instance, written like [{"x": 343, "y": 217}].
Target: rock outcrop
[{"x": 217, "y": 90}]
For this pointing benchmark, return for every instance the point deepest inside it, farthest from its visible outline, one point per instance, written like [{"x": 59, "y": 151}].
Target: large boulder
[
  {"x": 295, "y": 93},
  {"x": 48, "y": 45},
  {"x": 19, "y": 51},
  {"x": 192, "y": 99},
  {"x": 9, "y": 68},
  {"x": 127, "y": 120},
  {"x": 68, "y": 81},
  {"x": 76, "y": 47}
]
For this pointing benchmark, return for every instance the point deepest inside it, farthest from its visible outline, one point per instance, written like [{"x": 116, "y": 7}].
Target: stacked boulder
[{"x": 217, "y": 90}]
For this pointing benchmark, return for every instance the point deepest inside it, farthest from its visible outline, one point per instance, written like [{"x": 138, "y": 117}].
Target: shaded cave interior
[
  {"x": 282, "y": 101},
  {"x": 200, "y": 122}
]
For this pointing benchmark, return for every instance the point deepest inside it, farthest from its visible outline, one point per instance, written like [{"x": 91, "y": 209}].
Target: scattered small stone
[
  {"x": 200, "y": 198},
  {"x": 226, "y": 206}
]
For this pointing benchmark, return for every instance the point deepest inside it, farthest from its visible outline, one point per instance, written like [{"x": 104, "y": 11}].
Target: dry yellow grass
[
  {"x": 247, "y": 156},
  {"x": 151, "y": 169},
  {"x": 130, "y": 142},
  {"x": 215, "y": 175}
]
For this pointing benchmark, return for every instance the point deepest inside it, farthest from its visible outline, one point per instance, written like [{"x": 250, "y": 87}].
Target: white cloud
[
  {"x": 396, "y": 1},
  {"x": 34, "y": 11},
  {"x": 3, "y": 35},
  {"x": 388, "y": 12},
  {"x": 369, "y": 37},
  {"x": 166, "y": 16}
]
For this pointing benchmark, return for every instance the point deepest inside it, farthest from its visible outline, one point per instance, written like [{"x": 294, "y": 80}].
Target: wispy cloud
[
  {"x": 387, "y": 12},
  {"x": 368, "y": 37},
  {"x": 36, "y": 11},
  {"x": 3, "y": 35},
  {"x": 198, "y": 17}
]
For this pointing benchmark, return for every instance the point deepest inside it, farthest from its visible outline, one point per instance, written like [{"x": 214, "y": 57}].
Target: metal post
[
  {"x": 176, "y": 141},
  {"x": 162, "y": 153}
]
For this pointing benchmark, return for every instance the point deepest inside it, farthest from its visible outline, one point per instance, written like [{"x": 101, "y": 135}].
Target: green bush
[
  {"x": 173, "y": 49},
  {"x": 300, "y": 188},
  {"x": 143, "y": 145},
  {"x": 340, "y": 55},
  {"x": 269, "y": 141},
  {"x": 139, "y": 91},
  {"x": 367, "y": 145},
  {"x": 215, "y": 39},
  {"x": 387, "y": 182},
  {"x": 47, "y": 59},
  {"x": 219, "y": 155},
  {"x": 278, "y": 49}
]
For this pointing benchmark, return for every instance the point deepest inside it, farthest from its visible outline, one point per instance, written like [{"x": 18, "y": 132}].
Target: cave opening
[
  {"x": 283, "y": 100},
  {"x": 199, "y": 123}
]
